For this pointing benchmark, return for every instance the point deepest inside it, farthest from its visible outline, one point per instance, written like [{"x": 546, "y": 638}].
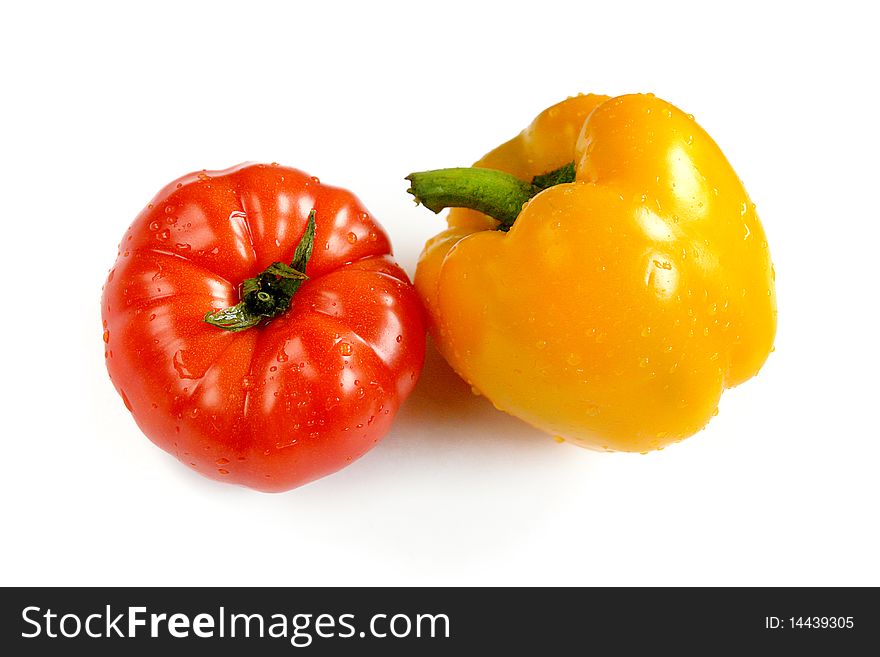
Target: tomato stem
[
  {"x": 267, "y": 294},
  {"x": 494, "y": 193}
]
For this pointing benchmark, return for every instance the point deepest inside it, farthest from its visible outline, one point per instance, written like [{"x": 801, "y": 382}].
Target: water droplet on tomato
[
  {"x": 282, "y": 356},
  {"x": 352, "y": 238},
  {"x": 315, "y": 180},
  {"x": 106, "y": 336},
  {"x": 183, "y": 246},
  {"x": 345, "y": 349},
  {"x": 170, "y": 208},
  {"x": 184, "y": 370},
  {"x": 164, "y": 235},
  {"x": 125, "y": 400},
  {"x": 399, "y": 338},
  {"x": 223, "y": 471},
  {"x": 372, "y": 237}
]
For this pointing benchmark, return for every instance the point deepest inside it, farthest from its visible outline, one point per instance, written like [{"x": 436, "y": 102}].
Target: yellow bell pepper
[{"x": 612, "y": 300}]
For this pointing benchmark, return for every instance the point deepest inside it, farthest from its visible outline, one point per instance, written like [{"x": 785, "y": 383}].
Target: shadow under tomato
[
  {"x": 444, "y": 405},
  {"x": 444, "y": 422},
  {"x": 453, "y": 486}
]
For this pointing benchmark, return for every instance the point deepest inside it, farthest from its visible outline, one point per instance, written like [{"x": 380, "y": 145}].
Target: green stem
[
  {"x": 494, "y": 193},
  {"x": 268, "y": 294}
]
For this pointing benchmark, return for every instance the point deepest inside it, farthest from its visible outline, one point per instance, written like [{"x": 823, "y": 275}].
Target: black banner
[{"x": 334, "y": 621}]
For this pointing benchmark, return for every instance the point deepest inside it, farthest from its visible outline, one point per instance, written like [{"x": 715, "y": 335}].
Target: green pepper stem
[
  {"x": 267, "y": 294},
  {"x": 494, "y": 193}
]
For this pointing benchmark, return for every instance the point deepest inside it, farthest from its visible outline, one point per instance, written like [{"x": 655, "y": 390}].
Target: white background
[{"x": 104, "y": 104}]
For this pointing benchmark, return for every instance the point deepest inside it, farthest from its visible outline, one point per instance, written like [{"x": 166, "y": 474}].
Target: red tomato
[{"x": 298, "y": 395}]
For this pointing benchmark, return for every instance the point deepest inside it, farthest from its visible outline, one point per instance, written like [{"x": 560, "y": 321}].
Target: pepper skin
[{"x": 620, "y": 305}]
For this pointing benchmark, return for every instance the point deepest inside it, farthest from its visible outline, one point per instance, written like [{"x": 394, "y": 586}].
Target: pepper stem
[
  {"x": 494, "y": 193},
  {"x": 267, "y": 294}
]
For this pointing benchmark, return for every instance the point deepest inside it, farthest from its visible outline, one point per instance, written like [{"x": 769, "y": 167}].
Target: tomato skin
[{"x": 289, "y": 401}]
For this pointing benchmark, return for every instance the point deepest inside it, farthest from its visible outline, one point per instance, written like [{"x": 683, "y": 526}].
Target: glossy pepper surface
[{"x": 615, "y": 307}]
